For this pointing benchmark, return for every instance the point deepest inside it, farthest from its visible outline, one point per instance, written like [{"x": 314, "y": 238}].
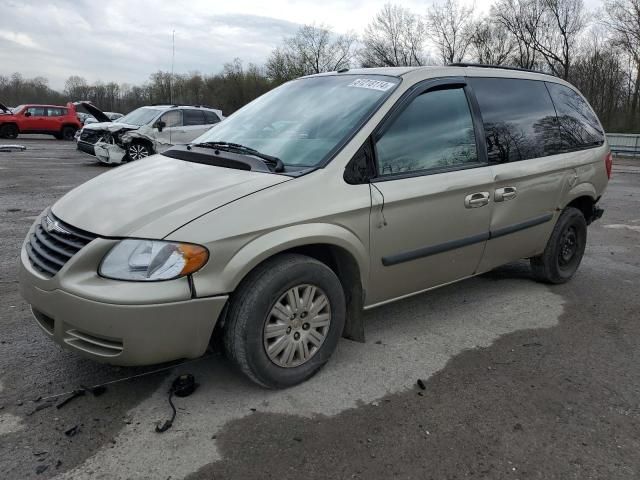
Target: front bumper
[
  {"x": 109, "y": 153},
  {"x": 119, "y": 333},
  {"x": 86, "y": 147}
]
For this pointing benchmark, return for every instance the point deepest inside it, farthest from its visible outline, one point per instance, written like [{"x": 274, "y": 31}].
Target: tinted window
[
  {"x": 579, "y": 126},
  {"x": 434, "y": 131},
  {"x": 519, "y": 118},
  {"x": 193, "y": 117},
  {"x": 211, "y": 117},
  {"x": 172, "y": 118}
]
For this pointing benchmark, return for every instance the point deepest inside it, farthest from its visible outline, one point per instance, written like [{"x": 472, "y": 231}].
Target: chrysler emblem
[{"x": 51, "y": 225}]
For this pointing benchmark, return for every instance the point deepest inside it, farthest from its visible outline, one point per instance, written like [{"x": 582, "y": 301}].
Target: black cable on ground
[{"x": 182, "y": 386}]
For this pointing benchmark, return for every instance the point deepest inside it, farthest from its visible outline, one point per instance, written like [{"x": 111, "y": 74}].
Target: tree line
[{"x": 599, "y": 52}]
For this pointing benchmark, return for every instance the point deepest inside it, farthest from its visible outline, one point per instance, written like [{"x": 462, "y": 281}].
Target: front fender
[{"x": 277, "y": 241}]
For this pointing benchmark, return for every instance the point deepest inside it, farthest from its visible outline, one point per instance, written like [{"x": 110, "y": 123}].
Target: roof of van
[{"x": 424, "y": 72}]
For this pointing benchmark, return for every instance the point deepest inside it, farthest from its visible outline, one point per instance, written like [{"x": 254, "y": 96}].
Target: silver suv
[
  {"x": 144, "y": 131},
  {"x": 328, "y": 195}
]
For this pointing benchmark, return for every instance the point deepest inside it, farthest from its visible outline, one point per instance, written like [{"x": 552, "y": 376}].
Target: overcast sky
[{"x": 125, "y": 41}]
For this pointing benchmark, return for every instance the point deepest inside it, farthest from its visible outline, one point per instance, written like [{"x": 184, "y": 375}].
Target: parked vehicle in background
[
  {"x": 113, "y": 116},
  {"x": 61, "y": 122},
  {"x": 145, "y": 131},
  {"x": 327, "y": 195}
]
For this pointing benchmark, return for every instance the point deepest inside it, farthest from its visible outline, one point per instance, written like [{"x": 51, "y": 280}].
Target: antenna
[{"x": 173, "y": 59}]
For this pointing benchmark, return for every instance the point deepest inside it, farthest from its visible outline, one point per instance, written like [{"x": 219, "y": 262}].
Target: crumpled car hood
[
  {"x": 110, "y": 126},
  {"x": 151, "y": 198}
]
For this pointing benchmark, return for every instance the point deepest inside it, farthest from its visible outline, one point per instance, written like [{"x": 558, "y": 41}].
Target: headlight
[{"x": 152, "y": 260}]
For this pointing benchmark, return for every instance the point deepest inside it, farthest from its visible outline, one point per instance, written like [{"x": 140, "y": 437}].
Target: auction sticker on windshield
[{"x": 371, "y": 84}]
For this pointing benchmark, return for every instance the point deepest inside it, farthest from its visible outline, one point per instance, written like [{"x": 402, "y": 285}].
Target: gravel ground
[{"x": 522, "y": 380}]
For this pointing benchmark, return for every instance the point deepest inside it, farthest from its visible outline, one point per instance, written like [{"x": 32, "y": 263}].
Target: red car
[{"x": 61, "y": 122}]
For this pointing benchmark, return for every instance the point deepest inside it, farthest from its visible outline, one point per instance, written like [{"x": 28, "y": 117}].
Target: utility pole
[{"x": 173, "y": 59}]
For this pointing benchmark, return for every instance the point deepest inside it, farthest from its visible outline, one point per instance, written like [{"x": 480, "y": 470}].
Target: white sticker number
[{"x": 371, "y": 84}]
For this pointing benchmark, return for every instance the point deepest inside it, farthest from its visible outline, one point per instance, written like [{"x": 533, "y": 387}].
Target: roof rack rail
[{"x": 501, "y": 67}]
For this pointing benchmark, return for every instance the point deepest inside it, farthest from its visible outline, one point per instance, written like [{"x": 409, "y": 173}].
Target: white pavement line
[
  {"x": 419, "y": 336},
  {"x": 621, "y": 226}
]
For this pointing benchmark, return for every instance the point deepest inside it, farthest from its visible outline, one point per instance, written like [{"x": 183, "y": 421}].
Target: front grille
[
  {"x": 53, "y": 243},
  {"x": 90, "y": 136}
]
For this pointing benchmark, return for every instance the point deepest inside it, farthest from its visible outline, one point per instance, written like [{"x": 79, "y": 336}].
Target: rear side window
[
  {"x": 518, "y": 117},
  {"x": 56, "y": 112},
  {"x": 211, "y": 117},
  {"x": 434, "y": 132},
  {"x": 578, "y": 125},
  {"x": 193, "y": 117}
]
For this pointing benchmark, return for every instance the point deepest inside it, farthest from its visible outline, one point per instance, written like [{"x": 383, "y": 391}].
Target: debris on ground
[
  {"x": 182, "y": 386},
  {"x": 70, "y": 432},
  {"x": 41, "y": 469},
  {"x": 421, "y": 384},
  {"x": 12, "y": 148},
  {"x": 39, "y": 407},
  {"x": 75, "y": 394}
]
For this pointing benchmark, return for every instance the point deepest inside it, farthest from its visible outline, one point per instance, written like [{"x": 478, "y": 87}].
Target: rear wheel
[
  {"x": 138, "y": 150},
  {"x": 565, "y": 248},
  {"x": 67, "y": 133},
  {"x": 285, "y": 320},
  {"x": 9, "y": 131}
]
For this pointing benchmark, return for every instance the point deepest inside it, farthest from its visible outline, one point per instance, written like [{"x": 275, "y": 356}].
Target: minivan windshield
[
  {"x": 140, "y": 116},
  {"x": 302, "y": 122}
]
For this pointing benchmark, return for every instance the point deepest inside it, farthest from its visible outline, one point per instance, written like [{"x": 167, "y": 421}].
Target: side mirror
[
  {"x": 160, "y": 125},
  {"x": 27, "y": 114}
]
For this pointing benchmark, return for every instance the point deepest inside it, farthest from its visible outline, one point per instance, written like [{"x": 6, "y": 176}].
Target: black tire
[
  {"x": 9, "y": 131},
  {"x": 138, "y": 150},
  {"x": 250, "y": 310},
  {"x": 67, "y": 133},
  {"x": 565, "y": 248}
]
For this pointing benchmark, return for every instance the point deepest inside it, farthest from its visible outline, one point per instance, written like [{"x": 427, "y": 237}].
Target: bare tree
[
  {"x": 313, "y": 49},
  {"x": 623, "y": 20},
  {"x": 550, "y": 28},
  {"x": 521, "y": 19},
  {"x": 557, "y": 39},
  {"x": 394, "y": 38},
  {"x": 491, "y": 43},
  {"x": 449, "y": 26}
]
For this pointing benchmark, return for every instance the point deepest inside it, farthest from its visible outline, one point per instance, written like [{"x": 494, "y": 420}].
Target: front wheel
[
  {"x": 9, "y": 131},
  {"x": 285, "y": 320},
  {"x": 138, "y": 150},
  {"x": 565, "y": 248}
]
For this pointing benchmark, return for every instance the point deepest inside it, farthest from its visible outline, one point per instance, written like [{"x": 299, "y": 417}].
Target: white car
[{"x": 145, "y": 131}]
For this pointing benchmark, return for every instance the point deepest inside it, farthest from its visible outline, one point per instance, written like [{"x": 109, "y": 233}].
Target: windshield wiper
[{"x": 277, "y": 164}]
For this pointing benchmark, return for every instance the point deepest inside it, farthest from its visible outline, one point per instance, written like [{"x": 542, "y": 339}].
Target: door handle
[
  {"x": 476, "y": 200},
  {"x": 505, "y": 193}
]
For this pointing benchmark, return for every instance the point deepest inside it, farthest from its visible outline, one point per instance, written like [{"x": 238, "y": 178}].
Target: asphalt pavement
[{"x": 521, "y": 380}]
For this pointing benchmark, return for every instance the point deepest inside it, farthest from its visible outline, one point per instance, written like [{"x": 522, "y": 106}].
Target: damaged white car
[{"x": 146, "y": 131}]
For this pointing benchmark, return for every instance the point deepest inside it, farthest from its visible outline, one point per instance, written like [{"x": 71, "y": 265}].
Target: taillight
[{"x": 608, "y": 163}]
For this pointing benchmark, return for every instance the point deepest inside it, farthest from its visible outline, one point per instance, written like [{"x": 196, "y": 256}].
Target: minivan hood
[
  {"x": 110, "y": 126},
  {"x": 151, "y": 198}
]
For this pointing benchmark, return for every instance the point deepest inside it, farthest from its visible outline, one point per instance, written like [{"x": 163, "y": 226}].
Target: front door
[
  {"x": 431, "y": 196},
  {"x": 35, "y": 119},
  {"x": 171, "y": 131}
]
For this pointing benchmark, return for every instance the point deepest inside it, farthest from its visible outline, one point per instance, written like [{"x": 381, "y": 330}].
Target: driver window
[
  {"x": 37, "y": 111},
  {"x": 435, "y": 131},
  {"x": 172, "y": 119}
]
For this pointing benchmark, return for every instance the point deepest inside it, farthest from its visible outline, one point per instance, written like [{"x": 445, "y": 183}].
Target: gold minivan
[{"x": 330, "y": 195}]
